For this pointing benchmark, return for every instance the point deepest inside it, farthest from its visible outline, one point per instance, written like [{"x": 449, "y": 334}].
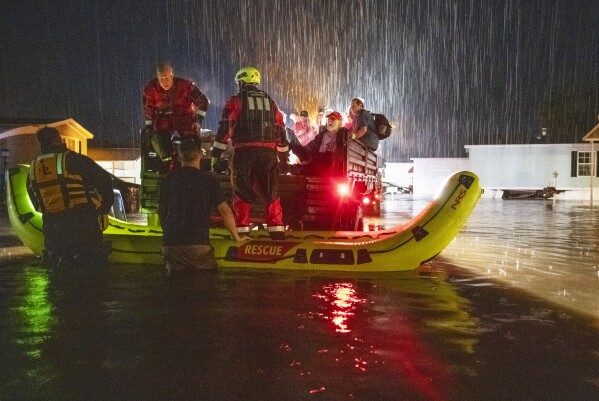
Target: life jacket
[
  {"x": 256, "y": 120},
  {"x": 57, "y": 190}
]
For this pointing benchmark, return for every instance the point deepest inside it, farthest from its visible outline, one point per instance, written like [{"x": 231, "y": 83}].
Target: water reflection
[
  {"x": 549, "y": 252},
  {"x": 386, "y": 331},
  {"x": 342, "y": 301},
  {"x": 24, "y": 326},
  {"x": 547, "y": 248},
  {"x": 282, "y": 335},
  {"x": 35, "y": 313},
  {"x": 456, "y": 329}
]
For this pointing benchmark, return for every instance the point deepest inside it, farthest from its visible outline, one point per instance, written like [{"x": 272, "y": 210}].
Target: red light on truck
[
  {"x": 343, "y": 190},
  {"x": 366, "y": 200}
]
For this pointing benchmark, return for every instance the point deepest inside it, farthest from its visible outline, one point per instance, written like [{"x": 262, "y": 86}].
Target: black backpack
[{"x": 381, "y": 123}]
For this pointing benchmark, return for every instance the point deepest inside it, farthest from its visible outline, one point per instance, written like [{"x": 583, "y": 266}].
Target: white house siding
[
  {"x": 579, "y": 195},
  {"x": 398, "y": 173},
  {"x": 126, "y": 170},
  {"x": 524, "y": 167},
  {"x": 430, "y": 174}
]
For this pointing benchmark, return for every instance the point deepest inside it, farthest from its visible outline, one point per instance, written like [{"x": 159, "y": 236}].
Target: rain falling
[{"x": 445, "y": 73}]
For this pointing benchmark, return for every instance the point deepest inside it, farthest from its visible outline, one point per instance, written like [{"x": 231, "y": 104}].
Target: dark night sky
[{"x": 447, "y": 73}]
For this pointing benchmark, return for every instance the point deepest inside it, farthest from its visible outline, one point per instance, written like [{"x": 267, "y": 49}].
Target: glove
[{"x": 103, "y": 221}]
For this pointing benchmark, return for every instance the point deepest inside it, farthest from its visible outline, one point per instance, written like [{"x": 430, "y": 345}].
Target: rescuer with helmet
[
  {"x": 173, "y": 107},
  {"x": 75, "y": 195},
  {"x": 252, "y": 121}
]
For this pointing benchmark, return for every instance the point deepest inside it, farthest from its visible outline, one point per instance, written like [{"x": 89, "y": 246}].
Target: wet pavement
[{"x": 507, "y": 312}]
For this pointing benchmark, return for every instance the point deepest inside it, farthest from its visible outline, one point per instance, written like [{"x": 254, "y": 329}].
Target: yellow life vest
[{"x": 57, "y": 190}]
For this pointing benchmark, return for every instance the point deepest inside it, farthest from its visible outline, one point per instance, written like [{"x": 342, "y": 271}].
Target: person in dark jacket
[
  {"x": 75, "y": 195},
  {"x": 254, "y": 124},
  {"x": 187, "y": 196},
  {"x": 172, "y": 106},
  {"x": 324, "y": 154}
]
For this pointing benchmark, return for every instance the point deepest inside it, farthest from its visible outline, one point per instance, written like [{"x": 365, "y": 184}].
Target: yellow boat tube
[{"x": 400, "y": 248}]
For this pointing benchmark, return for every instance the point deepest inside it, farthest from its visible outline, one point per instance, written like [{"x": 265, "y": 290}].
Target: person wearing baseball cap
[
  {"x": 323, "y": 154},
  {"x": 304, "y": 129}
]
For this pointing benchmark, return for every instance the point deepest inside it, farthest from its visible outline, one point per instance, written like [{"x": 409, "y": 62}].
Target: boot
[
  {"x": 242, "y": 209},
  {"x": 274, "y": 220}
]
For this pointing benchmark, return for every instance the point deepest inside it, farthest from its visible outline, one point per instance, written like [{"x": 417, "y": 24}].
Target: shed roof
[
  {"x": 592, "y": 135},
  {"x": 68, "y": 127},
  {"x": 113, "y": 154}
]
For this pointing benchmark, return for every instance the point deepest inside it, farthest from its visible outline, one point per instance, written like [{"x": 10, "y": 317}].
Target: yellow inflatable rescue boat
[{"x": 400, "y": 248}]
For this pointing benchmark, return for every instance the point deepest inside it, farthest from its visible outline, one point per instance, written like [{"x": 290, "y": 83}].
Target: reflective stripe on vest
[
  {"x": 255, "y": 122},
  {"x": 258, "y": 103},
  {"x": 56, "y": 189}
]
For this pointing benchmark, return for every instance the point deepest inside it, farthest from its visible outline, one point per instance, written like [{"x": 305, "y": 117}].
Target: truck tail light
[{"x": 342, "y": 190}]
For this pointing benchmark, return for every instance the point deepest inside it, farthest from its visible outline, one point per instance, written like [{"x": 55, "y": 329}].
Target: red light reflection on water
[
  {"x": 404, "y": 350},
  {"x": 343, "y": 299}
]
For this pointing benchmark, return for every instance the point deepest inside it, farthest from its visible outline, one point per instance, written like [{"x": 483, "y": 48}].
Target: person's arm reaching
[
  {"x": 229, "y": 220},
  {"x": 280, "y": 133},
  {"x": 223, "y": 135},
  {"x": 99, "y": 178},
  {"x": 201, "y": 103},
  {"x": 281, "y": 141}
]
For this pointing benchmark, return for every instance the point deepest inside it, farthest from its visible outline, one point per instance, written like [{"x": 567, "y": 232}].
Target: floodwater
[{"x": 508, "y": 311}]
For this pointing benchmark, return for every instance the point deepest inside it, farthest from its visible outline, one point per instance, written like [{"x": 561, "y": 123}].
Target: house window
[{"x": 584, "y": 164}]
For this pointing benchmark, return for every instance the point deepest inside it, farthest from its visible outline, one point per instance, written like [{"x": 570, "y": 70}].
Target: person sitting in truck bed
[
  {"x": 304, "y": 129},
  {"x": 362, "y": 126},
  {"x": 324, "y": 154}
]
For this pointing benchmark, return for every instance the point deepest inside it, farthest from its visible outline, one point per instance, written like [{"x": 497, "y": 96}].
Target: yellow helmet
[{"x": 248, "y": 75}]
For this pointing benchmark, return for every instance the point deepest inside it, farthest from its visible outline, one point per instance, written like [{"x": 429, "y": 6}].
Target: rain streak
[{"x": 445, "y": 73}]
